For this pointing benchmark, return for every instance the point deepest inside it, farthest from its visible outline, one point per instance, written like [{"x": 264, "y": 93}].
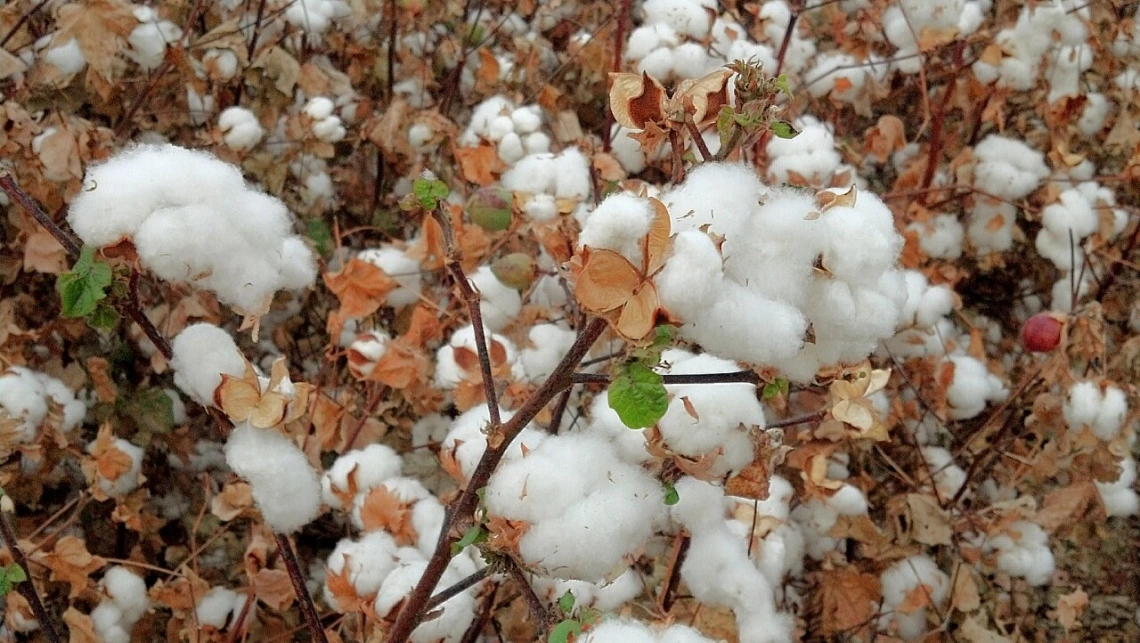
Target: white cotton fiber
[
  {"x": 364, "y": 563},
  {"x": 285, "y": 486},
  {"x": 396, "y": 263},
  {"x": 219, "y": 607},
  {"x": 466, "y": 441},
  {"x": 619, "y": 223},
  {"x": 1024, "y": 551},
  {"x": 202, "y": 354},
  {"x": 1119, "y": 496},
  {"x": 240, "y": 128},
  {"x": 917, "y": 573},
  {"x": 500, "y": 303},
  {"x": 359, "y": 469}
]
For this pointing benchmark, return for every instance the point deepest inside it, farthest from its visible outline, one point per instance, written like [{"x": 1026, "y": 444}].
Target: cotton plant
[
  {"x": 231, "y": 239},
  {"x": 1020, "y": 50},
  {"x": 1006, "y": 169}
]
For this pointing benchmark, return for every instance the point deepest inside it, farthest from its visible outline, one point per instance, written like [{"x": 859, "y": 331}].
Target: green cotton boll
[
  {"x": 490, "y": 208},
  {"x": 516, "y": 270}
]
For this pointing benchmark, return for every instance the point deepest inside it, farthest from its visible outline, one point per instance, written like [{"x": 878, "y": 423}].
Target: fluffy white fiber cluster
[
  {"x": 1040, "y": 28},
  {"x": 194, "y": 218},
  {"x": 586, "y": 508},
  {"x": 1007, "y": 169},
  {"x": 240, "y": 128},
  {"x": 125, "y": 601},
  {"x": 917, "y": 573},
  {"x": 25, "y": 396},
  {"x": 285, "y": 486},
  {"x": 515, "y": 131},
  {"x": 785, "y": 263},
  {"x": 624, "y": 630},
  {"x": 906, "y": 20},
  {"x": 1024, "y": 551},
  {"x": 1101, "y": 409},
  {"x": 316, "y": 16}
]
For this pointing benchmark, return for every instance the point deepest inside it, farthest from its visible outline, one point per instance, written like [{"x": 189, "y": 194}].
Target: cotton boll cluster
[
  {"x": 766, "y": 269},
  {"x": 941, "y": 237},
  {"x": 27, "y": 400},
  {"x": 325, "y": 125},
  {"x": 842, "y": 77},
  {"x": 195, "y": 219},
  {"x": 1100, "y": 409},
  {"x": 1008, "y": 170},
  {"x": 316, "y": 16},
  {"x": 668, "y": 44},
  {"x": 124, "y": 603},
  {"x": 1023, "y": 551},
  {"x": 515, "y": 131},
  {"x": 457, "y": 362},
  {"x": 202, "y": 354},
  {"x": 815, "y": 519},
  {"x": 546, "y": 177},
  {"x": 948, "y": 478},
  {"x": 1040, "y": 28},
  {"x": 357, "y": 470},
  {"x": 586, "y": 509},
  {"x": 624, "y": 630},
  {"x": 901, "y": 581},
  {"x": 717, "y": 568},
  {"x": 149, "y": 40},
  {"x": 712, "y": 423},
  {"x": 548, "y": 344},
  {"x": 219, "y": 607},
  {"x": 406, "y": 271},
  {"x": 810, "y": 155},
  {"x": 402, "y": 507},
  {"x": 603, "y": 596},
  {"x": 454, "y": 617},
  {"x": 285, "y": 486},
  {"x": 240, "y": 128},
  {"x": 467, "y": 441},
  {"x": 905, "y": 20},
  {"x": 973, "y": 387},
  {"x": 1119, "y": 496}
]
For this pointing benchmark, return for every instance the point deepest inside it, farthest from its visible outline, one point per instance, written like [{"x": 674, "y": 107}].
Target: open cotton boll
[
  {"x": 720, "y": 331},
  {"x": 899, "y": 581},
  {"x": 624, "y": 630},
  {"x": 619, "y": 223},
  {"x": 326, "y": 126},
  {"x": 364, "y": 563},
  {"x": 811, "y": 154},
  {"x": 925, "y": 304},
  {"x": 67, "y": 57},
  {"x": 452, "y": 618},
  {"x": 127, "y": 591},
  {"x": 127, "y": 481},
  {"x": 549, "y": 343},
  {"x": 202, "y": 354},
  {"x": 285, "y": 487},
  {"x": 485, "y": 112},
  {"x": 973, "y": 387},
  {"x": 948, "y": 477},
  {"x": 565, "y": 175},
  {"x": 365, "y": 351},
  {"x": 1094, "y": 115},
  {"x": 500, "y": 303},
  {"x": 602, "y": 596},
  {"x": 240, "y": 128},
  {"x": 466, "y": 441},
  {"x": 1008, "y": 168},
  {"x": 402, "y": 507},
  {"x": 359, "y": 469},
  {"x": 24, "y": 396},
  {"x": 991, "y": 225},
  {"x": 316, "y": 16},
  {"x": 1119, "y": 498},
  {"x": 396, "y": 263},
  {"x": 458, "y": 360},
  {"x": 148, "y": 41},
  {"x": 723, "y": 417},
  {"x": 1102, "y": 411},
  {"x": 220, "y": 64},
  {"x": 776, "y": 16},
  {"x": 862, "y": 241},
  {"x": 1024, "y": 551},
  {"x": 719, "y": 195},
  {"x": 941, "y": 237},
  {"x": 219, "y": 607},
  {"x": 586, "y": 508},
  {"x": 687, "y": 17},
  {"x": 687, "y": 284}
]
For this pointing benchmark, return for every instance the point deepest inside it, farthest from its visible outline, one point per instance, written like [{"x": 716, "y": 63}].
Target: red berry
[{"x": 1041, "y": 333}]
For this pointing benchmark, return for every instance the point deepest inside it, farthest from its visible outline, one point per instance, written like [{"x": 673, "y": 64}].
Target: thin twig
[
  {"x": 27, "y": 588},
  {"x": 307, "y": 608},
  {"x": 393, "y": 32},
  {"x": 17, "y": 194},
  {"x": 794, "y": 420},
  {"x": 537, "y": 609},
  {"x": 133, "y": 308},
  {"x": 27, "y": 15},
  {"x": 472, "y": 299},
  {"x": 480, "y": 621},
  {"x": 788, "y": 33},
  {"x": 445, "y": 595},
  {"x": 698, "y": 140},
  {"x": 735, "y": 377},
  {"x": 497, "y": 442},
  {"x": 619, "y": 49},
  {"x": 559, "y": 411}
]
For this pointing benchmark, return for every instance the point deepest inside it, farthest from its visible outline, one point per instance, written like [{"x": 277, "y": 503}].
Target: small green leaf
[
  {"x": 104, "y": 317},
  {"x": 318, "y": 230},
  {"x": 662, "y": 339},
  {"x": 84, "y": 285},
  {"x": 784, "y": 129},
  {"x": 724, "y": 122},
  {"x": 671, "y": 495},
  {"x": 566, "y": 602},
  {"x": 430, "y": 192},
  {"x": 638, "y": 396},
  {"x": 564, "y": 630},
  {"x": 10, "y": 576},
  {"x": 782, "y": 84},
  {"x": 475, "y": 535},
  {"x": 775, "y": 387}
]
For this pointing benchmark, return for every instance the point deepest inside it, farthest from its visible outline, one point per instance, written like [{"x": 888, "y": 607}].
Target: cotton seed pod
[
  {"x": 1041, "y": 333},
  {"x": 490, "y": 208},
  {"x": 516, "y": 270}
]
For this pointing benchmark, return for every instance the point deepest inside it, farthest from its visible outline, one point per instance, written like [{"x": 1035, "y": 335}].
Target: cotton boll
[
  {"x": 454, "y": 616},
  {"x": 687, "y": 17},
  {"x": 127, "y": 481},
  {"x": 1094, "y": 114},
  {"x": 1083, "y": 405},
  {"x": 481, "y": 117},
  {"x": 396, "y": 263},
  {"x": 1119, "y": 498},
  {"x": 864, "y": 242},
  {"x": 941, "y": 238},
  {"x": 811, "y": 154},
  {"x": 1024, "y": 551},
  {"x": 991, "y": 225},
  {"x": 220, "y": 64},
  {"x": 948, "y": 477},
  {"x": 586, "y": 508},
  {"x": 457, "y": 361},
  {"x": 1008, "y": 167},
  {"x": 285, "y": 487},
  {"x": 219, "y": 607},
  {"x": 720, "y": 195},
  {"x": 916, "y": 573},
  {"x": 720, "y": 331},
  {"x": 1110, "y": 417},
  {"x": 619, "y": 223},
  {"x": 466, "y": 441},
  {"x": 359, "y": 469},
  {"x": 500, "y": 303},
  {"x": 148, "y": 41},
  {"x": 67, "y": 57},
  {"x": 973, "y": 387},
  {"x": 687, "y": 283},
  {"x": 241, "y": 129},
  {"x": 364, "y": 563},
  {"x": 316, "y": 16},
  {"x": 202, "y": 354},
  {"x": 128, "y": 591},
  {"x": 550, "y": 343}
]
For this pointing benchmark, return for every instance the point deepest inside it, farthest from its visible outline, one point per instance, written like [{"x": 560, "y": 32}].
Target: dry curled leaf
[{"x": 70, "y": 562}]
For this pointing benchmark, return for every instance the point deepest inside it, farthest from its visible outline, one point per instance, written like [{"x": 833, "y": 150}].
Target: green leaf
[
  {"x": 671, "y": 495},
  {"x": 318, "y": 230},
  {"x": 84, "y": 285},
  {"x": 724, "y": 122},
  {"x": 782, "y": 84},
  {"x": 638, "y": 396},
  {"x": 10, "y": 576},
  {"x": 662, "y": 339},
  {"x": 784, "y": 129},
  {"x": 430, "y": 192},
  {"x": 475, "y": 535},
  {"x": 775, "y": 387},
  {"x": 564, "y": 630},
  {"x": 566, "y": 602},
  {"x": 104, "y": 317}
]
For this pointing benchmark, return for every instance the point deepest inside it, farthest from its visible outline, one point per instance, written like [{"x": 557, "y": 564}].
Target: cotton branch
[
  {"x": 498, "y": 440},
  {"x": 537, "y": 609},
  {"x": 14, "y": 192},
  {"x": 26, "y": 588},
  {"x": 471, "y": 297},
  {"x": 736, "y": 377}
]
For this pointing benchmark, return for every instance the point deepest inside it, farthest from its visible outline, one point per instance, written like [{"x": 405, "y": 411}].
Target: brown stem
[
  {"x": 133, "y": 308},
  {"x": 735, "y": 377},
  {"x": 256, "y": 30},
  {"x": 619, "y": 49},
  {"x": 17, "y": 194},
  {"x": 730, "y": 145},
  {"x": 473, "y": 632},
  {"x": 472, "y": 299},
  {"x": 497, "y": 442},
  {"x": 27, "y": 588},
  {"x": 788, "y": 33},
  {"x": 307, "y": 607},
  {"x": 673, "y": 574},
  {"x": 20, "y": 23},
  {"x": 451, "y": 592},
  {"x": 678, "y": 165},
  {"x": 533, "y": 602},
  {"x": 698, "y": 140},
  {"x": 794, "y": 420},
  {"x": 940, "y": 120},
  {"x": 559, "y": 411},
  {"x": 393, "y": 33}
]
